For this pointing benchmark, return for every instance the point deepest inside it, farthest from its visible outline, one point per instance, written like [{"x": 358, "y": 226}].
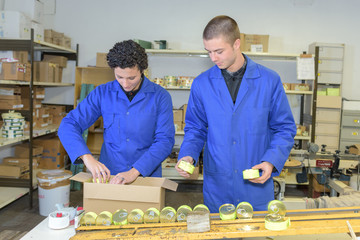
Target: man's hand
[
  {"x": 182, "y": 172},
  {"x": 266, "y": 168},
  {"x": 125, "y": 177},
  {"x": 97, "y": 169}
]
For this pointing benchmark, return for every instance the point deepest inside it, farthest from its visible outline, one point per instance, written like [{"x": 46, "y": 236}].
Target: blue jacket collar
[
  {"x": 146, "y": 86},
  {"x": 252, "y": 70}
]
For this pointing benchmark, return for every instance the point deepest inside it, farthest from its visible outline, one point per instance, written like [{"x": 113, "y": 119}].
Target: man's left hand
[
  {"x": 266, "y": 168},
  {"x": 125, "y": 177}
]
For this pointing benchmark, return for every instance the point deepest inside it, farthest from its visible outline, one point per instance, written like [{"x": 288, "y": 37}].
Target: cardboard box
[
  {"x": 53, "y": 155},
  {"x": 143, "y": 193},
  {"x": 178, "y": 115},
  {"x": 45, "y": 71},
  {"x": 355, "y": 149},
  {"x": 328, "y": 101},
  {"x": 34, "y": 9},
  {"x": 177, "y": 125},
  {"x": 38, "y": 31},
  {"x": 11, "y": 104},
  {"x": 14, "y": 71},
  {"x": 26, "y": 103},
  {"x": 256, "y": 43},
  {"x": 16, "y": 161},
  {"x": 56, "y": 110},
  {"x": 14, "y": 25},
  {"x": 62, "y": 61},
  {"x": 39, "y": 92},
  {"x": 12, "y": 171},
  {"x": 10, "y": 97},
  {"x": 184, "y": 108},
  {"x": 10, "y": 90},
  {"x": 101, "y": 60},
  {"x": 58, "y": 74},
  {"x": 57, "y": 120},
  {"x": 22, "y": 150},
  {"x": 21, "y": 56}
]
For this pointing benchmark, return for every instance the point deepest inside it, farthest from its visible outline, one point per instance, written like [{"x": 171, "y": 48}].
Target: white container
[
  {"x": 38, "y": 31},
  {"x": 54, "y": 188},
  {"x": 355, "y": 182},
  {"x": 14, "y": 25},
  {"x": 34, "y": 9}
]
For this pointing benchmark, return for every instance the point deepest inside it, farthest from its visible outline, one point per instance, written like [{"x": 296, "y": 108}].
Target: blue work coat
[
  {"x": 137, "y": 134},
  {"x": 258, "y": 127}
]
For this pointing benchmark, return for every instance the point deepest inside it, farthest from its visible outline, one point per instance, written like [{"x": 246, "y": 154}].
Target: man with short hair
[
  {"x": 240, "y": 111},
  {"x": 138, "y": 121}
]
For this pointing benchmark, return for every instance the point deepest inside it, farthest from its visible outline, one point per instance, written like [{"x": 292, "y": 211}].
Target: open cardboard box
[
  {"x": 355, "y": 149},
  {"x": 143, "y": 193}
]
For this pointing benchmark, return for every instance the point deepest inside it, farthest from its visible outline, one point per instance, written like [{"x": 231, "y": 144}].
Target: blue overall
[
  {"x": 258, "y": 127},
  {"x": 137, "y": 134}
]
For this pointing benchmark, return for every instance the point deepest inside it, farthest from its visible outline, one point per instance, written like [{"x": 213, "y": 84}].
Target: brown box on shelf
[
  {"x": 62, "y": 61},
  {"x": 57, "y": 120},
  {"x": 58, "y": 74},
  {"x": 20, "y": 161},
  {"x": 10, "y": 97},
  {"x": 184, "y": 108},
  {"x": 355, "y": 149},
  {"x": 53, "y": 155},
  {"x": 328, "y": 101},
  {"x": 50, "y": 33},
  {"x": 14, "y": 71},
  {"x": 56, "y": 110},
  {"x": 36, "y": 103},
  {"x": 178, "y": 125},
  {"x": 142, "y": 193},
  {"x": 252, "y": 41},
  {"x": 11, "y": 104},
  {"x": 39, "y": 92},
  {"x": 101, "y": 60},
  {"x": 42, "y": 112},
  {"x": 12, "y": 171},
  {"x": 50, "y": 119},
  {"x": 22, "y": 150},
  {"x": 41, "y": 122},
  {"x": 44, "y": 71},
  {"x": 48, "y": 39},
  {"x": 67, "y": 42},
  {"x": 178, "y": 115},
  {"x": 10, "y": 90}
]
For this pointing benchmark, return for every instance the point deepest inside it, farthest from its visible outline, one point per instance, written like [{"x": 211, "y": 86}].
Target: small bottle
[
  {"x": 244, "y": 210},
  {"x": 120, "y": 217},
  {"x": 201, "y": 208},
  {"x": 227, "y": 211},
  {"x": 152, "y": 215},
  {"x": 167, "y": 215},
  {"x": 89, "y": 219},
  {"x": 104, "y": 219},
  {"x": 182, "y": 213},
  {"x": 136, "y": 216}
]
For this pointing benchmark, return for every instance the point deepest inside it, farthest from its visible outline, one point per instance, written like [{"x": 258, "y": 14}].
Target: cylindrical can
[
  {"x": 167, "y": 215},
  {"x": 136, "y": 216},
  {"x": 227, "y": 211},
  {"x": 89, "y": 219},
  {"x": 120, "y": 217},
  {"x": 184, "y": 82},
  {"x": 104, "y": 219},
  {"x": 244, "y": 210},
  {"x": 201, "y": 208},
  {"x": 152, "y": 215},
  {"x": 182, "y": 213},
  {"x": 159, "y": 81},
  {"x": 170, "y": 81}
]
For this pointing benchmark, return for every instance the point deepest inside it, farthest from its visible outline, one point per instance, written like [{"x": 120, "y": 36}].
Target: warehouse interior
[{"x": 311, "y": 44}]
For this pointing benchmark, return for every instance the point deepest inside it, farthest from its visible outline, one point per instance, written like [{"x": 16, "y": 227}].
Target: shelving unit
[{"x": 30, "y": 46}]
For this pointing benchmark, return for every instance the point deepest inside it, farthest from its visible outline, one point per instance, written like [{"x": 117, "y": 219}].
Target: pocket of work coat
[
  {"x": 256, "y": 120},
  {"x": 111, "y": 129}
]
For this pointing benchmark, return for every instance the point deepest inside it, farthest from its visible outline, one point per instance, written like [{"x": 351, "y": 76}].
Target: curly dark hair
[{"x": 127, "y": 54}]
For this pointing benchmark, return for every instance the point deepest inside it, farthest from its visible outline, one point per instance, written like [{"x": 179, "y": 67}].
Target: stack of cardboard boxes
[
  {"x": 10, "y": 98},
  {"x": 57, "y": 38},
  {"x": 179, "y": 118}
]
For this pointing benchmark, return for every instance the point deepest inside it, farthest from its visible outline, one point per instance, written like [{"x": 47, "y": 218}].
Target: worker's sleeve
[
  {"x": 195, "y": 125},
  {"x": 282, "y": 127},
  {"x": 76, "y": 122},
  {"x": 163, "y": 139}
]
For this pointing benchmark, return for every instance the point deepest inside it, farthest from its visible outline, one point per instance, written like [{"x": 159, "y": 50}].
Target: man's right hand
[
  {"x": 182, "y": 172},
  {"x": 97, "y": 169}
]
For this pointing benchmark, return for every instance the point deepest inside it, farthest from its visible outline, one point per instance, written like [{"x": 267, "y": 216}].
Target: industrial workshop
[{"x": 161, "y": 119}]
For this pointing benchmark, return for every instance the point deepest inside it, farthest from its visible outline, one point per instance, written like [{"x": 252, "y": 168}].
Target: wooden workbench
[{"x": 303, "y": 222}]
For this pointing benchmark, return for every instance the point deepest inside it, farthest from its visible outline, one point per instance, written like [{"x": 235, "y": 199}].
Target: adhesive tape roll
[
  {"x": 251, "y": 173},
  {"x": 277, "y": 226},
  {"x": 59, "y": 222},
  {"x": 186, "y": 166}
]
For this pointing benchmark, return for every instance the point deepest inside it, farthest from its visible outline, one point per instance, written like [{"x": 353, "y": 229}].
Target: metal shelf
[{"x": 45, "y": 84}]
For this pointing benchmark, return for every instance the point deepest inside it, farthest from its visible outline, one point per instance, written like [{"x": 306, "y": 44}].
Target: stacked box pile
[{"x": 13, "y": 125}]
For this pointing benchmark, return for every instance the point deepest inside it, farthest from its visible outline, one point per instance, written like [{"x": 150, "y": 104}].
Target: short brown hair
[{"x": 222, "y": 25}]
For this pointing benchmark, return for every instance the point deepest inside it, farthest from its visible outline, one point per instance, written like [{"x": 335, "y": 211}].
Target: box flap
[
  {"x": 156, "y": 181},
  {"x": 82, "y": 177},
  {"x": 355, "y": 149}
]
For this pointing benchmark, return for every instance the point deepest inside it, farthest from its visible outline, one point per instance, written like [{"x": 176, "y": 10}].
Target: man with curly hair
[{"x": 138, "y": 121}]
